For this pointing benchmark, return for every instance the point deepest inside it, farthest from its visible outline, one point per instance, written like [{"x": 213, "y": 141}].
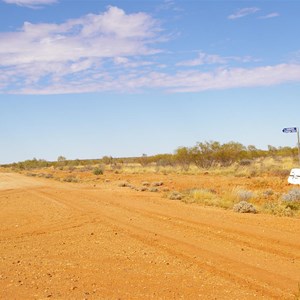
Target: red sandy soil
[{"x": 100, "y": 241}]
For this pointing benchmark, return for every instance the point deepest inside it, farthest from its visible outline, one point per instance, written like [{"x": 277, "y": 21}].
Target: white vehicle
[{"x": 294, "y": 177}]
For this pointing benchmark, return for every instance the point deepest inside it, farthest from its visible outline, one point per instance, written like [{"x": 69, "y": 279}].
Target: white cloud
[
  {"x": 243, "y": 13},
  {"x": 31, "y": 3},
  {"x": 106, "y": 35},
  {"x": 121, "y": 60},
  {"x": 53, "y": 50},
  {"x": 270, "y": 16}
]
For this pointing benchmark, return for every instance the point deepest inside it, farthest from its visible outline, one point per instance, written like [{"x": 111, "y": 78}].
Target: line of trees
[
  {"x": 203, "y": 155},
  {"x": 209, "y": 154}
]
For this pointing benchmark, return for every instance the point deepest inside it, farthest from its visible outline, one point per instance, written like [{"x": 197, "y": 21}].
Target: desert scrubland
[{"x": 147, "y": 233}]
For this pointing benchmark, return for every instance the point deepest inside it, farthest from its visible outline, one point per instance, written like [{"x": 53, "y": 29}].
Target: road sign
[{"x": 290, "y": 130}]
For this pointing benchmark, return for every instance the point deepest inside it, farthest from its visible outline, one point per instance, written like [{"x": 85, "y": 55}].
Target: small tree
[
  {"x": 107, "y": 160},
  {"x": 62, "y": 161},
  {"x": 183, "y": 157},
  {"x": 143, "y": 160}
]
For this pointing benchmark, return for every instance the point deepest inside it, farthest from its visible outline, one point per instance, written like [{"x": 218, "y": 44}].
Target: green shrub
[
  {"x": 245, "y": 162},
  {"x": 278, "y": 209},
  {"x": 70, "y": 179},
  {"x": 98, "y": 171}
]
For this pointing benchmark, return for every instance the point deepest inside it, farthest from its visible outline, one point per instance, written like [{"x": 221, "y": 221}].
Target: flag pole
[
  {"x": 293, "y": 130},
  {"x": 298, "y": 144}
]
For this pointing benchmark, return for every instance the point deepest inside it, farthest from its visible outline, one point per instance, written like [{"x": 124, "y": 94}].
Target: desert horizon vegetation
[
  {"x": 230, "y": 175},
  {"x": 203, "y": 155}
]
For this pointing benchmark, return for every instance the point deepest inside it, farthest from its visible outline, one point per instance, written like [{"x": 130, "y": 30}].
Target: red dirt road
[{"x": 76, "y": 241}]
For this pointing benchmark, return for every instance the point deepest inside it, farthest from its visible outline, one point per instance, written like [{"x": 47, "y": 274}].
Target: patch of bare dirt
[{"x": 100, "y": 241}]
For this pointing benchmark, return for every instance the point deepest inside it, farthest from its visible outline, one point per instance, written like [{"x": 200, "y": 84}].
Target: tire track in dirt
[
  {"x": 219, "y": 231},
  {"x": 224, "y": 232},
  {"x": 263, "y": 267},
  {"x": 210, "y": 262},
  {"x": 216, "y": 260},
  {"x": 75, "y": 217},
  {"x": 246, "y": 238}
]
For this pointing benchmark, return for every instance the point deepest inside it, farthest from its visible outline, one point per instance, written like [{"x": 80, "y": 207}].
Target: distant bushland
[{"x": 204, "y": 155}]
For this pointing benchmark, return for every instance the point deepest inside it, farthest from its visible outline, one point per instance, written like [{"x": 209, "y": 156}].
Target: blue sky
[{"x": 86, "y": 79}]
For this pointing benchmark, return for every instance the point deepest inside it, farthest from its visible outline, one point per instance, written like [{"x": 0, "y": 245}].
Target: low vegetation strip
[
  {"x": 203, "y": 155},
  {"x": 258, "y": 177}
]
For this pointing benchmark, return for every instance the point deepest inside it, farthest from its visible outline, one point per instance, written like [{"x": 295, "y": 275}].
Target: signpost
[{"x": 293, "y": 130}]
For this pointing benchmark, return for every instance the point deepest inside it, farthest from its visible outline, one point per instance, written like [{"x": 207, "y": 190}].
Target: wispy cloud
[
  {"x": 227, "y": 78},
  {"x": 243, "y": 12},
  {"x": 169, "y": 5},
  {"x": 214, "y": 59},
  {"x": 180, "y": 82},
  {"x": 31, "y": 3},
  {"x": 270, "y": 16},
  {"x": 203, "y": 59}
]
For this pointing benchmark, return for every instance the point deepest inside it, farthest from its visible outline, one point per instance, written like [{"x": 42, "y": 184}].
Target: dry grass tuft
[
  {"x": 244, "y": 207},
  {"x": 207, "y": 197}
]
